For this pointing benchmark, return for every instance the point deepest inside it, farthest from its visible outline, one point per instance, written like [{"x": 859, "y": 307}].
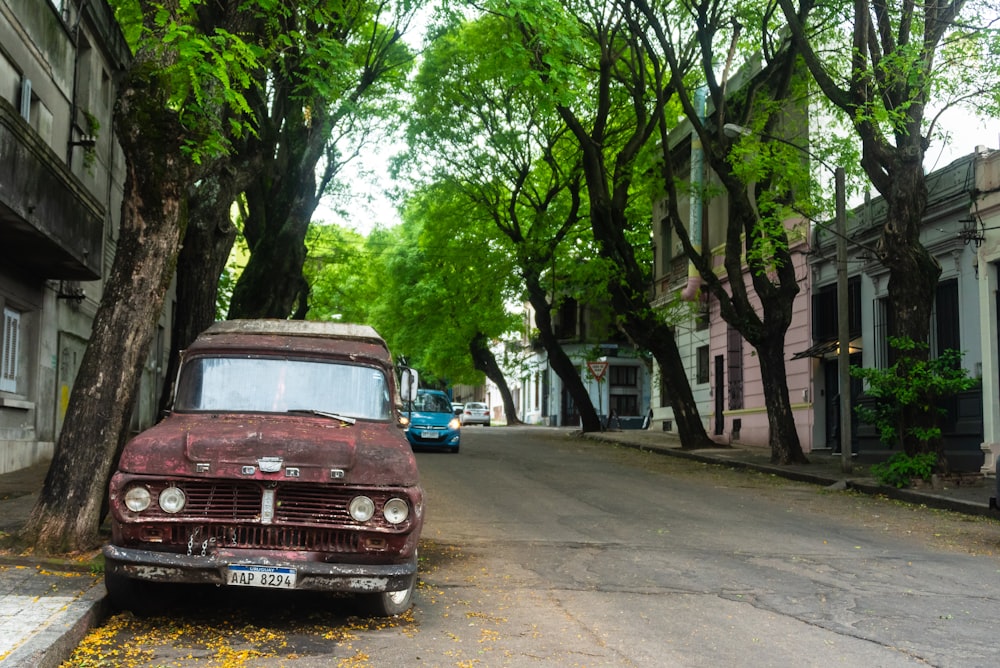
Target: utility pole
[{"x": 843, "y": 326}]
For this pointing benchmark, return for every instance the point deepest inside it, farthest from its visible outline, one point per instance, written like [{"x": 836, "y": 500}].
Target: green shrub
[
  {"x": 912, "y": 386},
  {"x": 900, "y": 469}
]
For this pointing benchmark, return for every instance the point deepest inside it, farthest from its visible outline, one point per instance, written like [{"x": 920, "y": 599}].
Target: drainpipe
[{"x": 690, "y": 291}]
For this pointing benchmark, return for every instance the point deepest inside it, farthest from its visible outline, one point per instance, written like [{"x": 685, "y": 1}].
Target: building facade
[
  {"x": 955, "y": 324},
  {"x": 621, "y": 393},
  {"x": 722, "y": 368},
  {"x": 61, "y": 184},
  {"x": 982, "y": 229}
]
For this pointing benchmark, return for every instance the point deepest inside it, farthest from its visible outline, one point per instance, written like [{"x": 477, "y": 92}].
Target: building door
[
  {"x": 831, "y": 372},
  {"x": 570, "y": 415},
  {"x": 71, "y": 349}
]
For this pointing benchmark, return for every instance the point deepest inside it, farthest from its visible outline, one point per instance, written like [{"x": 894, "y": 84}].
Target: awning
[{"x": 827, "y": 349}]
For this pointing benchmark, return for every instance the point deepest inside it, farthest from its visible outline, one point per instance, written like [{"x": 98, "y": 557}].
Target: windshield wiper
[{"x": 313, "y": 411}]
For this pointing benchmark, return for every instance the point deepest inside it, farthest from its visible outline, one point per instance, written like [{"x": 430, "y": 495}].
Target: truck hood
[{"x": 307, "y": 448}]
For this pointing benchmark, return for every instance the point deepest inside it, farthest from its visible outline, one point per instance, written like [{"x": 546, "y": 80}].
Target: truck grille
[
  {"x": 294, "y": 503},
  {"x": 261, "y": 537}
]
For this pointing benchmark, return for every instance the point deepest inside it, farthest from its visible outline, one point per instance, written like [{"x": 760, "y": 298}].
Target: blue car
[{"x": 432, "y": 424}]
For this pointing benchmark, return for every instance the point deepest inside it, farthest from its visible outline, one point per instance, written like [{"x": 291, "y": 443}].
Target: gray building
[{"x": 61, "y": 183}]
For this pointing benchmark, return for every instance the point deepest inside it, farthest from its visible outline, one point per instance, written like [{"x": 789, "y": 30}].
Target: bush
[
  {"x": 900, "y": 469},
  {"x": 913, "y": 387}
]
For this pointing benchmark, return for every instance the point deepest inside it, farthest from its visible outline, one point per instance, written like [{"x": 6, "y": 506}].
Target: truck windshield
[{"x": 272, "y": 385}]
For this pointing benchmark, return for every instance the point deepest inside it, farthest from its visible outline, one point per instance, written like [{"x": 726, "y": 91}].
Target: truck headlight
[
  {"x": 362, "y": 508},
  {"x": 137, "y": 499},
  {"x": 396, "y": 511},
  {"x": 172, "y": 500}
]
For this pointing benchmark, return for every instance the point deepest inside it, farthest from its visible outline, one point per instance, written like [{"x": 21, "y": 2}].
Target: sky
[{"x": 371, "y": 206}]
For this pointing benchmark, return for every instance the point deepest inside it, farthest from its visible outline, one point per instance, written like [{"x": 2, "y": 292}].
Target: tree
[
  {"x": 501, "y": 159},
  {"x": 757, "y": 244},
  {"x": 342, "y": 271},
  {"x": 339, "y": 72},
  {"x": 328, "y": 76},
  {"x": 897, "y": 62},
  {"x": 441, "y": 301},
  {"x": 604, "y": 89},
  {"x": 179, "y": 104}
]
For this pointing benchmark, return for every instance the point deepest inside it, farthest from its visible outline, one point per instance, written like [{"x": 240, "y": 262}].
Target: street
[{"x": 544, "y": 549}]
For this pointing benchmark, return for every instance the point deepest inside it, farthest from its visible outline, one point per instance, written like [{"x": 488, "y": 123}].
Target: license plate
[
  {"x": 430, "y": 434},
  {"x": 269, "y": 577}
]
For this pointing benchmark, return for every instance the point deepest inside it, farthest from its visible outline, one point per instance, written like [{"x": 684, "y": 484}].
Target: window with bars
[
  {"x": 826, "y": 308},
  {"x": 945, "y": 324},
  {"x": 623, "y": 376},
  {"x": 702, "y": 364},
  {"x": 734, "y": 357},
  {"x": 664, "y": 395},
  {"x": 11, "y": 341}
]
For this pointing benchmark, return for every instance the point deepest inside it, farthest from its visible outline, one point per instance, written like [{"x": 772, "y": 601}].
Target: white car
[{"x": 476, "y": 413}]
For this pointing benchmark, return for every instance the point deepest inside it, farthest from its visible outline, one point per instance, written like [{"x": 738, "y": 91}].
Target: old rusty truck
[{"x": 281, "y": 464}]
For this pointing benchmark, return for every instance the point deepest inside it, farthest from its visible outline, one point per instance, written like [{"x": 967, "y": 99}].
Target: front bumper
[
  {"x": 449, "y": 439},
  {"x": 155, "y": 566}
]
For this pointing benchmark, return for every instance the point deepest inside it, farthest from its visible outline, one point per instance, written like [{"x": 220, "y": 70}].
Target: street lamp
[{"x": 843, "y": 303}]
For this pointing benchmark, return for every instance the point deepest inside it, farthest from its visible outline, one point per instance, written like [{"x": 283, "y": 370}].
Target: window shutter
[
  {"x": 8, "y": 363},
  {"x": 26, "y": 99}
]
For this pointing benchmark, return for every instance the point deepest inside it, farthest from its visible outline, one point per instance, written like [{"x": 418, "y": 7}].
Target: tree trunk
[
  {"x": 651, "y": 334},
  {"x": 782, "y": 435},
  {"x": 629, "y": 300},
  {"x": 484, "y": 360},
  {"x": 207, "y": 244},
  {"x": 272, "y": 283},
  {"x": 560, "y": 362},
  {"x": 66, "y": 514},
  {"x": 913, "y": 279}
]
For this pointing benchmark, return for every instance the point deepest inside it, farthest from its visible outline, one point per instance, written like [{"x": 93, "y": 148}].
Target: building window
[
  {"x": 881, "y": 329},
  {"x": 666, "y": 246},
  {"x": 664, "y": 395},
  {"x": 623, "y": 376},
  {"x": 9, "y": 80},
  {"x": 734, "y": 353},
  {"x": 11, "y": 342},
  {"x": 565, "y": 319},
  {"x": 624, "y": 404},
  {"x": 702, "y": 364},
  {"x": 945, "y": 330},
  {"x": 26, "y": 100},
  {"x": 825, "y": 310}
]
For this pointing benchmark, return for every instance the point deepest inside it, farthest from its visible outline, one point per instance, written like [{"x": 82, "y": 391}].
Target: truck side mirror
[{"x": 409, "y": 381}]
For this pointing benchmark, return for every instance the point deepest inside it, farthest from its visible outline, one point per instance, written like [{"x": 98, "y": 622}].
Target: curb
[
  {"x": 928, "y": 499},
  {"x": 54, "y": 643}
]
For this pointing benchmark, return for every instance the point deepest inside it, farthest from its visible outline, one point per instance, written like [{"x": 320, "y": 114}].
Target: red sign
[{"x": 598, "y": 369}]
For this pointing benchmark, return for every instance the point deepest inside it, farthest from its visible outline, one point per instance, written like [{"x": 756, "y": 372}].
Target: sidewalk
[
  {"x": 971, "y": 495},
  {"x": 48, "y": 606}
]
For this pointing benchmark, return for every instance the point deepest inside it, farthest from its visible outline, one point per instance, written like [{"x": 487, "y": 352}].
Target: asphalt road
[{"x": 541, "y": 549}]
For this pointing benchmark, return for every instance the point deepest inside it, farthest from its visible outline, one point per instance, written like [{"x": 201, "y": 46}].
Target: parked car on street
[
  {"x": 432, "y": 424},
  {"x": 476, "y": 413},
  {"x": 282, "y": 465},
  {"x": 457, "y": 408}
]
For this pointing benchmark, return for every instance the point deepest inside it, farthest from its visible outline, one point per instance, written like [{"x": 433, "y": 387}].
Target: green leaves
[
  {"x": 202, "y": 69},
  {"x": 901, "y": 469},
  {"x": 912, "y": 382}
]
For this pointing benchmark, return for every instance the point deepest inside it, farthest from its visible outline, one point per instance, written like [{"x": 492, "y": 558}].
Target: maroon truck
[{"x": 282, "y": 465}]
